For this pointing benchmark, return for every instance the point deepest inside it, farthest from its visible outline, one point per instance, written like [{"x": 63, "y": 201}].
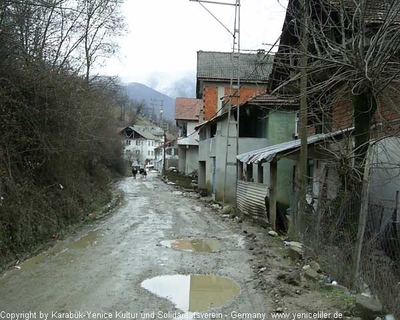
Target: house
[
  {"x": 187, "y": 113},
  {"x": 332, "y": 111},
  {"x": 352, "y": 227},
  {"x": 264, "y": 120},
  {"x": 171, "y": 155},
  {"x": 140, "y": 143},
  {"x": 217, "y": 86},
  {"x": 215, "y": 71}
]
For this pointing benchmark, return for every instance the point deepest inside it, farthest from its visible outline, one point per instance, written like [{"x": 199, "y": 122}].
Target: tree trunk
[{"x": 364, "y": 107}]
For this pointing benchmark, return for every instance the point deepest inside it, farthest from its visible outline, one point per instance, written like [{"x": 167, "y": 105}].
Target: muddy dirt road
[{"x": 124, "y": 267}]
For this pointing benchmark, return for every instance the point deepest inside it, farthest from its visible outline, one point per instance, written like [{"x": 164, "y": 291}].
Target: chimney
[{"x": 261, "y": 56}]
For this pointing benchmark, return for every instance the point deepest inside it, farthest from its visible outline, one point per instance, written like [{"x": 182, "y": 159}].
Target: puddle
[
  {"x": 87, "y": 241},
  {"x": 193, "y": 293},
  {"x": 29, "y": 263},
  {"x": 193, "y": 245}
]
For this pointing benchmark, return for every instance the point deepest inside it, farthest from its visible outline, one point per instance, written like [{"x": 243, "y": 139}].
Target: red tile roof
[{"x": 188, "y": 108}]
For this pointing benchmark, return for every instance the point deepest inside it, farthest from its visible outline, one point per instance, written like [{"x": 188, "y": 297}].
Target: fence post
[
  {"x": 272, "y": 194},
  {"x": 398, "y": 214},
  {"x": 320, "y": 198},
  {"x": 362, "y": 221}
]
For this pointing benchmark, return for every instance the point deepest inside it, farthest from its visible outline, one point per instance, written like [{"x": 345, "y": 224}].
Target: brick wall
[
  {"x": 245, "y": 93},
  {"x": 342, "y": 115},
  {"x": 386, "y": 119},
  {"x": 210, "y": 97}
]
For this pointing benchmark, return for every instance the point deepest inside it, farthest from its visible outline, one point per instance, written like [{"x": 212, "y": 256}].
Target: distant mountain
[
  {"x": 140, "y": 92},
  {"x": 182, "y": 87}
]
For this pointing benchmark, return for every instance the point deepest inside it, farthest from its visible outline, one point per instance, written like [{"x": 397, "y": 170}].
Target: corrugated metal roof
[
  {"x": 219, "y": 65},
  {"x": 268, "y": 154}
]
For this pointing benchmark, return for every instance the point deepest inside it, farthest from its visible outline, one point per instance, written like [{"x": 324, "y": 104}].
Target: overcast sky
[{"x": 164, "y": 35}]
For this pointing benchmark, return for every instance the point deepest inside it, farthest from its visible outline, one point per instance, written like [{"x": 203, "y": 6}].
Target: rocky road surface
[{"x": 108, "y": 269}]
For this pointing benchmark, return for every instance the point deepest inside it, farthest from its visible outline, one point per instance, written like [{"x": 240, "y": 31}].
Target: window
[
  {"x": 296, "y": 125},
  {"x": 213, "y": 130},
  {"x": 152, "y": 152},
  {"x": 184, "y": 130},
  {"x": 137, "y": 142},
  {"x": 149, "y": 143},
  {"x": 152, "y": 143},
  {"x": 148, "y": 153}
]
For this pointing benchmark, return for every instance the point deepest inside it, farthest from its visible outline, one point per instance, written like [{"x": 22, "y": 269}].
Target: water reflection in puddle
[
  {"x": 193, "y": 293},
  {"x": 193, "y": 245},
  {"x": 87, "y": 241}
]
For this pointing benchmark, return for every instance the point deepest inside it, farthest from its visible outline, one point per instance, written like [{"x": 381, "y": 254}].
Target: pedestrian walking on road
[{"x": 134, "y": 172}]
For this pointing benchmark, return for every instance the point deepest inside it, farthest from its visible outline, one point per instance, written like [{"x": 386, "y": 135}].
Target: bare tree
[
  {"x": 102, "y": 22},
  {"x": 353, "y": 66},
  {"x": 353, "y": 54}
]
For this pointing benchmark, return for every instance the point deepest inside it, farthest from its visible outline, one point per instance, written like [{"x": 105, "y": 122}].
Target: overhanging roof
[
  {"x": 260, "y": 100},
  {"x": 270, "y": 153}
]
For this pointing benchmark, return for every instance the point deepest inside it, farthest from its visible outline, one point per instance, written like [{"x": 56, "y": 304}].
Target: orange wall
[{"x": 210, "y": 98}]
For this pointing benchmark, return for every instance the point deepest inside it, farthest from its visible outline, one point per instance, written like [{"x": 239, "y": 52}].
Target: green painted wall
[{"x": 280, "y": 129}]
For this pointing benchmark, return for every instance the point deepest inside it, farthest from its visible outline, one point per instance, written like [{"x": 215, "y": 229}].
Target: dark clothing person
[{"x": 134, "y": 173}]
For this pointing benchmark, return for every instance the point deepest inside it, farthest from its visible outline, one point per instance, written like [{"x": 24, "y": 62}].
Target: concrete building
[
  {"x": 187, "y": 113},
  {"x": 264, "y": 121}
]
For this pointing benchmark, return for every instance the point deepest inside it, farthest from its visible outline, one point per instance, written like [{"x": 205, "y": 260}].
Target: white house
[{"x": 140, "y": 143}]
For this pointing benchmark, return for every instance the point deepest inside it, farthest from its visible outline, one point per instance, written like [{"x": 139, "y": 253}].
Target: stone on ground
[
  {"x": 311, "y": 274},
  {"x": 295, "y": 253},
  {"x": 368, "y": 308},
  {"x": 315, "y": 266}
]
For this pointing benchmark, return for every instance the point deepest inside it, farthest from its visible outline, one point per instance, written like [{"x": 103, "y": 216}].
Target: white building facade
[{"x": 140, "y": 143}]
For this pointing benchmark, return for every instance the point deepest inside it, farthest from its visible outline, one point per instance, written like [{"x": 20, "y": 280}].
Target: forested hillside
[{"x": 58, "y": 141}]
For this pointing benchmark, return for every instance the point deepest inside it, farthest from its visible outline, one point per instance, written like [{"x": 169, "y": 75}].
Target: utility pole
[
  {"x": 161, "y": 113},
  {"x": 302, "y": 164},
  {"x": 152, "y": 104},
  {"x": 235, "y": 57},
  {"x": 164, "y": 138},
  {"x": 164, "y": 153}
]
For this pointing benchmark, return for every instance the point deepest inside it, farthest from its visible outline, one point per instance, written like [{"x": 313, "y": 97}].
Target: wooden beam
[
  {"x": 397, "y": 223},
  {"x": 362, "y": 222},
  {"x": 322, "y": 179},
  {"x": 260, "y": 173},
  {"x": 272, "y": 193}
]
